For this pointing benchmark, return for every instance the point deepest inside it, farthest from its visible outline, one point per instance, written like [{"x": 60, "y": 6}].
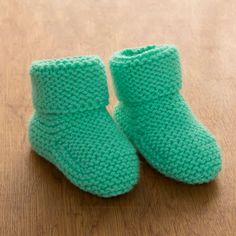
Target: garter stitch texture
[
  {"x": 72, "y": 129},
  {"x": 156, "y": 118}
]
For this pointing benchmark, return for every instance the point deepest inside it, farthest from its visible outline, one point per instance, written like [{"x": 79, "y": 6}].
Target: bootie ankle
[
  {"x": 72, "y": 129},
  {"x": 156, "y": 118}
]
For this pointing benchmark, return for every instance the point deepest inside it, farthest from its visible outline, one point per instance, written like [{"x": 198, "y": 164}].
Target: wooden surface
[{"x": 35, "y": 198}]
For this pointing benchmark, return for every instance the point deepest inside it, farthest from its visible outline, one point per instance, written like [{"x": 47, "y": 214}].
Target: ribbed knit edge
[
  {"x": 49, "y": 65},
  {"x": 139, "y": 55}
]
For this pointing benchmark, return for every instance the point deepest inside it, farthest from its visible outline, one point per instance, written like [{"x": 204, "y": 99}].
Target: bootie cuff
[
  {"x": 143, "y": 74},
  {"x": 68, "y": 84}
]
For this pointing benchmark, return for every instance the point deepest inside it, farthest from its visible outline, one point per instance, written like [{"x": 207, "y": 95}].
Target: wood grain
[{"x": 35, "y": 198}]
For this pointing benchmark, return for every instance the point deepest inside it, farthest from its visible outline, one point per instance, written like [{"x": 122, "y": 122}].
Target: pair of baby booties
[{"x": 72, "y": 129}]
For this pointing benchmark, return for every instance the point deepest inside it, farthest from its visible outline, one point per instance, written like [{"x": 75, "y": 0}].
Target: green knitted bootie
[
  {"x": 72, "y": 129},
  {"x": 156, "y": 118}
]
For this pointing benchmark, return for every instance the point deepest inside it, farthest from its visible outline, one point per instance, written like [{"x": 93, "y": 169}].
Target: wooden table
[{"x": 35, "y": 198}]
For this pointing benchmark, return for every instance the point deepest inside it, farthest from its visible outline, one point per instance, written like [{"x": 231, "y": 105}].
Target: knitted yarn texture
[
  {"x": 156, "y": 118},
  {"x": 72, "y": 129}
]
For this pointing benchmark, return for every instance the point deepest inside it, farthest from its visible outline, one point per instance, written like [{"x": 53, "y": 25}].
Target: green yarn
[
  {"x": 156, "y": 118},
  {"x": 72, "y": 129}
]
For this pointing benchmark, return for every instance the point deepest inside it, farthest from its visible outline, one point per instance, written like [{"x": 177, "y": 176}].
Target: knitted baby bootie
[
  {"x": 156, "y": 118},
  {"x": 72, "y": 129}
]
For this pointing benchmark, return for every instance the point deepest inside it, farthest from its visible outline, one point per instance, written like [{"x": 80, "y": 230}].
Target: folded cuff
[
  {"x": 68, "y": 84},
  {"x": 142, "y": 74}
]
